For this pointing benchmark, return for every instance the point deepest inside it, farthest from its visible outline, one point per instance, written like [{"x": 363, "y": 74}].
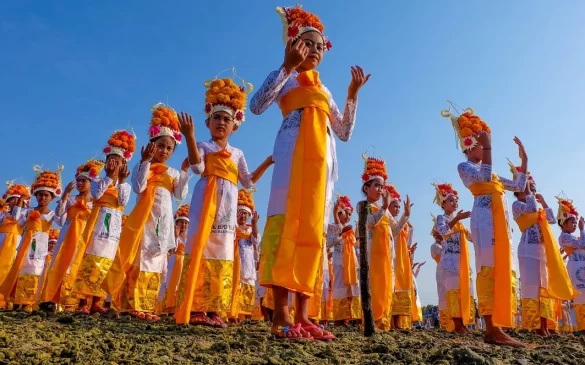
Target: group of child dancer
[{"x": 207, "y": 263}]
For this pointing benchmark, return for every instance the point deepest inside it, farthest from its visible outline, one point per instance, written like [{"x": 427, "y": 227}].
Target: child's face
[
  {"x": 221, "y": 124},
  {"x": 52, "y": 245},
  {"x": 165, "y": 146},
  {"x": 570, "y": 225},
  {"x": 82, "y": 184},
  {"x": 182, "y": 225},
  {"x": 243, "y": 216},
  {"x": 12, "y": 202},
  {"x": 374, "y": 190},
  {"x": 43, "y": 198},
  {"x": 315, "y": 44},
  {"x": 394, "y": 208},
  {"x": 450, "y": 204},
  {"x": 344, "y": 216}
]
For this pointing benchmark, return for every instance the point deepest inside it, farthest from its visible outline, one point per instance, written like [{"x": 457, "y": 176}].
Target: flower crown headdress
[
  {"x": 246, "y": 200},
  {"x": 344, "y": 203},
  {"x": 442, "y": 192},
  {"x": 15, "y": 190},
  {"x": 47, "y": 181},
  {"x": 122, "y": 144},
  {"x": 566, "y": 210},
  {"x": 515, "y": 170},
  {"x": 296, "y": 21},
  {"x": 224, "y": 95},
  {"x": 182, "y": 213},
  {"x": 164, "y": 122},
  {"x": 466, "y": 126},
  {"x": 373, "y": 169},
  {"x": 90, "y": 170},
  {"x": 394, "y": 194},
  {"x": 54, "y": 235}
]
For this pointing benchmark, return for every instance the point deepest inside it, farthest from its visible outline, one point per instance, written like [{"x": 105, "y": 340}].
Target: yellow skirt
[
  {"x": 91, "y": 274},
  {"x": 139, "y": 291}
]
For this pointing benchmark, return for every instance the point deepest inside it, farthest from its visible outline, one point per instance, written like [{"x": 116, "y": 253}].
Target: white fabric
[
  {"x": 436, "y": 250},
  {"x": 531, "y": 243},
  {"x": 533, "y": 276},
  {"x": 248, "y": 257},
  {"x": 34, "y": 260},
  {"x": 334, "y": 241},
  {"x": 576, "y": 264}
]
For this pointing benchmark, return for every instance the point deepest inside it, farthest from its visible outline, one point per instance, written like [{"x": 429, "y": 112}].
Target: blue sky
[{"x": 72, "y": 72}]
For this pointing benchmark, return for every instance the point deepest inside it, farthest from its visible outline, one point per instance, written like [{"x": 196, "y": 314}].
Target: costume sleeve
[
  {"x": 342, "y": 124},
  {"x": 550, "y": 216},
  {"x": 19, "y": 215},
  {"x": 333, "y": 235},
  {"x": 139, "y": 177},
  {"x": 62, "y": 207},
  {"x": 470, "y": 174},
  {"x": 99, "y": 187},
  {"x": 200, "y": 167},
  {"x": 443, "y": 226},
  {"x": 244, "y": 175},
  {"x": 568, "y": 240},
  {"x": 517, "y": 185},
  {"x": 123, "y": 194},
  {"x": 520, "y": 208},
  {"x": 269, "y": 91},
  {"x": 398, "y": 226},
  {"x": 181, "y": 185},
  {"x": 374, "y": 218}
]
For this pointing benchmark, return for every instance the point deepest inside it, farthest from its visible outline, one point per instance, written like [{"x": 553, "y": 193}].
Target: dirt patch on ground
[{"x": 74, "y": 339}]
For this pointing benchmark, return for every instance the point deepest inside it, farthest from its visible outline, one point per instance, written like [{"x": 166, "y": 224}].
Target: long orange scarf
[
  {"x": 464, "y": 274},
  {"x": 301, "y": 244},
  {"x": 33, "y": 225},
  {"x": 502, "y": 312},
  {"x": 12, "y": 231},
  {"x": 380, "y": 264},
  {"x": 217, "y": 165},
  {"x": 131, "y": 235},
  {"x": 236, "y": 282},
  {"x": 108, "y": 200},
  {"x": 559, "y": 283},
  {"x": 402, "y": 264},
  {"x": 171, "y": 297},
  {"x": 349, "y": 258},
  {"x": 78, "y": 215}
]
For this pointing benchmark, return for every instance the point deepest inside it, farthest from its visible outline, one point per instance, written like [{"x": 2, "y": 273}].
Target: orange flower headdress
[
  {"x": 515, "y": 170},
  {"x": 344, "y": 203},
  {"x": 443, "y": 191},
  {"x": 566, "y": 210},
  {"x": 182, "y": 213},
  {"x": 15, "y": 190},
  {"x": 164, "y": 122},
  {"x": 246, "y": 200},
  {"x": 121, "y": 143},
  {"x": 466, "y": 126},
  {"x": 296, "y": 21},
  {"x": 224, "y": 95},
  {"x": 394, "y": 194},
  {"x": 3, "y": 206},
  {"x": 47, "y": 181},
  {"x": 373, "y": 169},
  {"x": 54, "y": 235},
  {"x": 90, "y": 170}
]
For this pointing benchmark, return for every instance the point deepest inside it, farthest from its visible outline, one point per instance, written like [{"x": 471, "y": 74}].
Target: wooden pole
[{"x": 369, "y": 328}]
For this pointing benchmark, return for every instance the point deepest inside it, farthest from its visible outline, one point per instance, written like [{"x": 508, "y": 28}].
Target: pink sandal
[
  {"x": 319, "y": 333},
  {"x": 151, "y": 317},
  {"x": 200, "y": 319},
  {"x": 282, "y": 331},
  {"x": 138, "y": 315},
  {"x": 218, "y": 322}
]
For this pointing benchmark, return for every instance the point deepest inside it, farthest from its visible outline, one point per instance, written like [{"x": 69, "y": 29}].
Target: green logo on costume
[
  {"x": 107, "y": 219},
  {"x": 34, "y": 245}
]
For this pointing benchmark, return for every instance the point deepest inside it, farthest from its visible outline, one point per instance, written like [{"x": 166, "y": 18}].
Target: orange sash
[
  {"x": 301, "y": 243},
  {"x": 402, "y": 264},
  {"x": 12, "y": 231},
  {"x": 464, "y": 274},
  {"x": 109, "y": 200},
  {"x": 217, "y": 165},
  {"x": 559, "y": 283},
  {"x": 502, "y": 315},
  {"x": 171, "y": 298},
  {"x": 380, "y": 264},
  {"x": 131, "y": 235},
  {"x": 349, "y": 258},
  {"x": 236, "y": 282},
  {"x": 78, "y": 215},
  {"x": 33, "y": 225}
]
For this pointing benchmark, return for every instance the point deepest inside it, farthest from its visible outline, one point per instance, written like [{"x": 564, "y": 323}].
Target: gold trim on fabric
[
  {"x": 91, "y": 274},
  {"x": 27, "y": 286},
  {"x": 454, "y": 306},
  {"x": 139, "y": 291},
  {"x": 580, "y": 316},
  {"x": 268, "y": 300},
  {"x": 530, "y": 313},
  {"x": 213, "y": 290},
  {"x": 402, "y": 303},
  {"x": 347, "y": 309},
  {"x": 68, "y": 298},
  {"x": 405, "y": 322},
  {"x": 246, "y": 299}
]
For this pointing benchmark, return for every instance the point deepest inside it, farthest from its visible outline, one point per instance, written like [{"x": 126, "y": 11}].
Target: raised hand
[
  {"x": 407, "y": 206},
  {"x": 485, "y": 140},
  {"x": 255, "y": 217},
  {"x": 385, "y": 199},
  {"x": 521, "y": 150},
  {"x": 186, "y": 124},
  {"x": 123, "y": 173},
  {"x": 69, "y": 188},
  {"x": 581, "y": 223},
  {"x": 358, "y": 79},
  {"x": 148, "y": 152},
  {"x": 111, "y": 169},
  {"x": 462, "y": 215},
  {"x": 346, "y": 228},
  {"x": 185, "y": 165},
  {"x": 294, "y": 55}
]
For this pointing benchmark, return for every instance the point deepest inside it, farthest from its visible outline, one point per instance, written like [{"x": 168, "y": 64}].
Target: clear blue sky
[{"x": 74, "y": 71}]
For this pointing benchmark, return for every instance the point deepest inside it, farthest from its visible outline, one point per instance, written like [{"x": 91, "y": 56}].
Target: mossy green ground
[{"x": 74, "y": 339}]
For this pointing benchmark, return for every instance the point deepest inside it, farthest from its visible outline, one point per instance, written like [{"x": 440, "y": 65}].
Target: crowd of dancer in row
[{"x": 205, "y": 263}]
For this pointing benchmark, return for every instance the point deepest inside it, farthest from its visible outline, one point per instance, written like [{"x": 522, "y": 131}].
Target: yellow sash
[
  {"x": 240, "y": 235},
  {"x": 108, "y": 200},
  {"x": 380, "y": 264},
  {"x": 217, "y": 165},
  {"x": 437, "y": 258},
  {"x": 464, "y": 274},
  {"x": 402, "y": 264},
  {"x": 502, "y": 315},
  {"x": 301, "y": 243},
  {"x": 171, "y": 298},
  {"x": 559, "y": 283},
  {"x": 34, "y": 224},
  {"x": 131, "y": 235},
  {"x": 12, "y": 230},
  {"x": 349, "y": 258}
]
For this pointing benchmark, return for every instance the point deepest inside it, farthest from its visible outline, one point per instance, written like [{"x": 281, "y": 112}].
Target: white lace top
[
  {"x": 531, "y": 243},
  {"x": 451, "y": 256},
  {"x": 569, "y": 241}
]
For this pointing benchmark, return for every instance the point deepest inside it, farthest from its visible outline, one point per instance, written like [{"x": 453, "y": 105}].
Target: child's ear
[
  {"x": 236, "y": 127},
  {"x": 207, "y": 122}
]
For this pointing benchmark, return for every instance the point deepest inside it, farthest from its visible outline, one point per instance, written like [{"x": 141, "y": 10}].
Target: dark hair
[
  {"x": 153, "y": 140},
  {"x": 516, "y": 194},
  {"x": 368, "y": 184},
  {"x": 559, "y": 223}
]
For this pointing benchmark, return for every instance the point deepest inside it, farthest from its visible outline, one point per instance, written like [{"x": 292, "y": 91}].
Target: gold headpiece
[
  {"x": 47, "y": 181},
  {"x": 466, "y": 126},
  {"x": 245, "y": 200},
  {"x": 225, "y": 95},
  {"x": 442, "y": 192},
  {"x": 566, "y": 210},
  {"x": 164, "y": 122},
  {"x": 296, "y": 21}
]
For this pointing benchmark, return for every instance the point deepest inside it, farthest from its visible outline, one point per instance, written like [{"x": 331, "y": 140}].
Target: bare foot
[
  {"x": 281, "y": 326},
  {"x": 542, "y": 333},
  {"x": 498, "y": 337}
]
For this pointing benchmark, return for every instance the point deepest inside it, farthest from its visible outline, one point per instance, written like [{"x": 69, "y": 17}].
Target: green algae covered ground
[{"x": 74, "y": 339}]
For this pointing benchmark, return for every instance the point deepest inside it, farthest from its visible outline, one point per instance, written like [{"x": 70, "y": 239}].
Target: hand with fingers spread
[
  {"x": 123, "y": 173},
  {"x": 255, "y": 217},
  {"x": 386, "y": 198},
  {"x": 485, "y": 140},
  {"x": 294, "y": 55},
  {"x": 148, "y": 152},
  {"x": 68, "y": 189},
  {"x": 407, "y": 206},
  {"x": 521, "y": 150},
  {"x": 462, "y": 215},
  {"x": 111, "y": 169},
  {"x": 186, "y": 124},
  {"x": 358, "y": 79}
]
